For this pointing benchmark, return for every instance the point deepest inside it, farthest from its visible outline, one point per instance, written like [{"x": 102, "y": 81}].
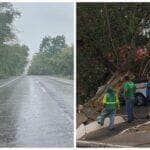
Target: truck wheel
[{"x": 140, "y": 99}]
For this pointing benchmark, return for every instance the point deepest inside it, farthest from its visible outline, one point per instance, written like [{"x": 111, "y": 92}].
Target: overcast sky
[{"x": 41, "y": 19}]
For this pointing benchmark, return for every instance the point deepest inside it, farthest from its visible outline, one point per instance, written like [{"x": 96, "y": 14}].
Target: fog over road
[{"x": 36, "y": 111}]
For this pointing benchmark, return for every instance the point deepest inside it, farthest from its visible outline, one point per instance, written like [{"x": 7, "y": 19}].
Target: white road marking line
[
  {"x": 60, "y": 80},
  {"x": 9, "y": 82},
  {"x": 5, "y": 116},
  {"x": 43, "y": 89},
  {"x": 37, "y": 82}
]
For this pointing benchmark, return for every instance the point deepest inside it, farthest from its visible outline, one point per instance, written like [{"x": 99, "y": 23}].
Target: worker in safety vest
[{"x": 110, "y": 104}]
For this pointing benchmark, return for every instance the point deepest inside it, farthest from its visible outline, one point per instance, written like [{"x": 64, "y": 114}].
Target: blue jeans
[
  {"x": 107, "y": 113},
  {"x": 130, "y": 108},
  {"x": 148, "y": 94}
]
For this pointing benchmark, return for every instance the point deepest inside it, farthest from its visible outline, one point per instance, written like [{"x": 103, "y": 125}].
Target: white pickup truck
[{"x": 140, "y": 94}]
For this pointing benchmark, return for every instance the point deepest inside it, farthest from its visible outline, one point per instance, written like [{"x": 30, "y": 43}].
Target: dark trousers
[
  {"x": 130, "y": 108},
  {"x": 107, "y": 113}
]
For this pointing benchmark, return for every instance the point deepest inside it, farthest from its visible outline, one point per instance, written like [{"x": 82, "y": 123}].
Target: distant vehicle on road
[{"x": 140, "y": 95}]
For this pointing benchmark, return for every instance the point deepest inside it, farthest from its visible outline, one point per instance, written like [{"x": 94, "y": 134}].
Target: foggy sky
[{"x": 40, "y": 19}]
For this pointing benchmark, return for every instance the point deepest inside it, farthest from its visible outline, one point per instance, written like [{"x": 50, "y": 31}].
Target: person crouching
[{"x": 110, "y": 104}]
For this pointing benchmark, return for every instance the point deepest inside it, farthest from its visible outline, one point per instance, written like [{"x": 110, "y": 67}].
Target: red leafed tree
[{"x": 112, "y": 41}]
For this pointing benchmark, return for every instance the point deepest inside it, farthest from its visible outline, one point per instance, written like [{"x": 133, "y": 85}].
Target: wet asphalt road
[{"x": 36, "y": 111}]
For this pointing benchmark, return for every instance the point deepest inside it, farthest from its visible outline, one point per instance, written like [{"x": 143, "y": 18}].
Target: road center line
[
  {"x": 37, "y": 82},
  {"x": 43, "y": 89}
]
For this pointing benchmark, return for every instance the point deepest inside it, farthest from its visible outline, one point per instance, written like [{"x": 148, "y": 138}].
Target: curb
[
  {"x": 98, "y": 144},
  {"x": 93, "y": 126},
  {"x": 137, "y": 126}
]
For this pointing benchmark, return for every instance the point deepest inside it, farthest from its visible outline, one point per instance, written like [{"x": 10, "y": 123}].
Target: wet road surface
[{"x": 36, "y": 111}]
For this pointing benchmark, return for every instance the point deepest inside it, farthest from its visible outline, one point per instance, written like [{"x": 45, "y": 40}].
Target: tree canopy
[
  {"x": 53, "y": 45},
  {"x": 7, "y": 15},
  {"x": 55, "y": 57},
  {"x": 13, "y": 57}
]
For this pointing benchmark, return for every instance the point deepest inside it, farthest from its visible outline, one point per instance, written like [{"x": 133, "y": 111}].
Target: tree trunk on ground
[{"x": 90, "y": 109}]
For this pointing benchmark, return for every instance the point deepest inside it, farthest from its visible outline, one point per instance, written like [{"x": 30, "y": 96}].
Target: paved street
[{"x": 36, "y": 111}]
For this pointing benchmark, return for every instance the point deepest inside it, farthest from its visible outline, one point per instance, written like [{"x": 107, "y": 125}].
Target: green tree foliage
[
  {"x": 108, "y": 38},
  {"x": 7, "y": 15},
  {"x": 63, "y": 62},
  {"x": 51, "y": 46},
  {"x": 13, "y": 57},
  {"x": 53, "y": 59}
]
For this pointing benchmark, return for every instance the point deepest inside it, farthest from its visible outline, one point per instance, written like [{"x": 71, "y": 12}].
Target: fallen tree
[{"x": 90, "y": 109}]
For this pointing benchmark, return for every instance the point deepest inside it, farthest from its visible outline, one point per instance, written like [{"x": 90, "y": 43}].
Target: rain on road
[{"x": 36, "y": 111}]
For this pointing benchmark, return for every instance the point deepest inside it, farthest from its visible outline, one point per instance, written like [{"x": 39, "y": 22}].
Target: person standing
[
  {"x": 147, "y": 85},
  {"x": 148, "y": 88},
  {"x": 129, "y": 93},
  {"x": 110, "y": 103}
]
